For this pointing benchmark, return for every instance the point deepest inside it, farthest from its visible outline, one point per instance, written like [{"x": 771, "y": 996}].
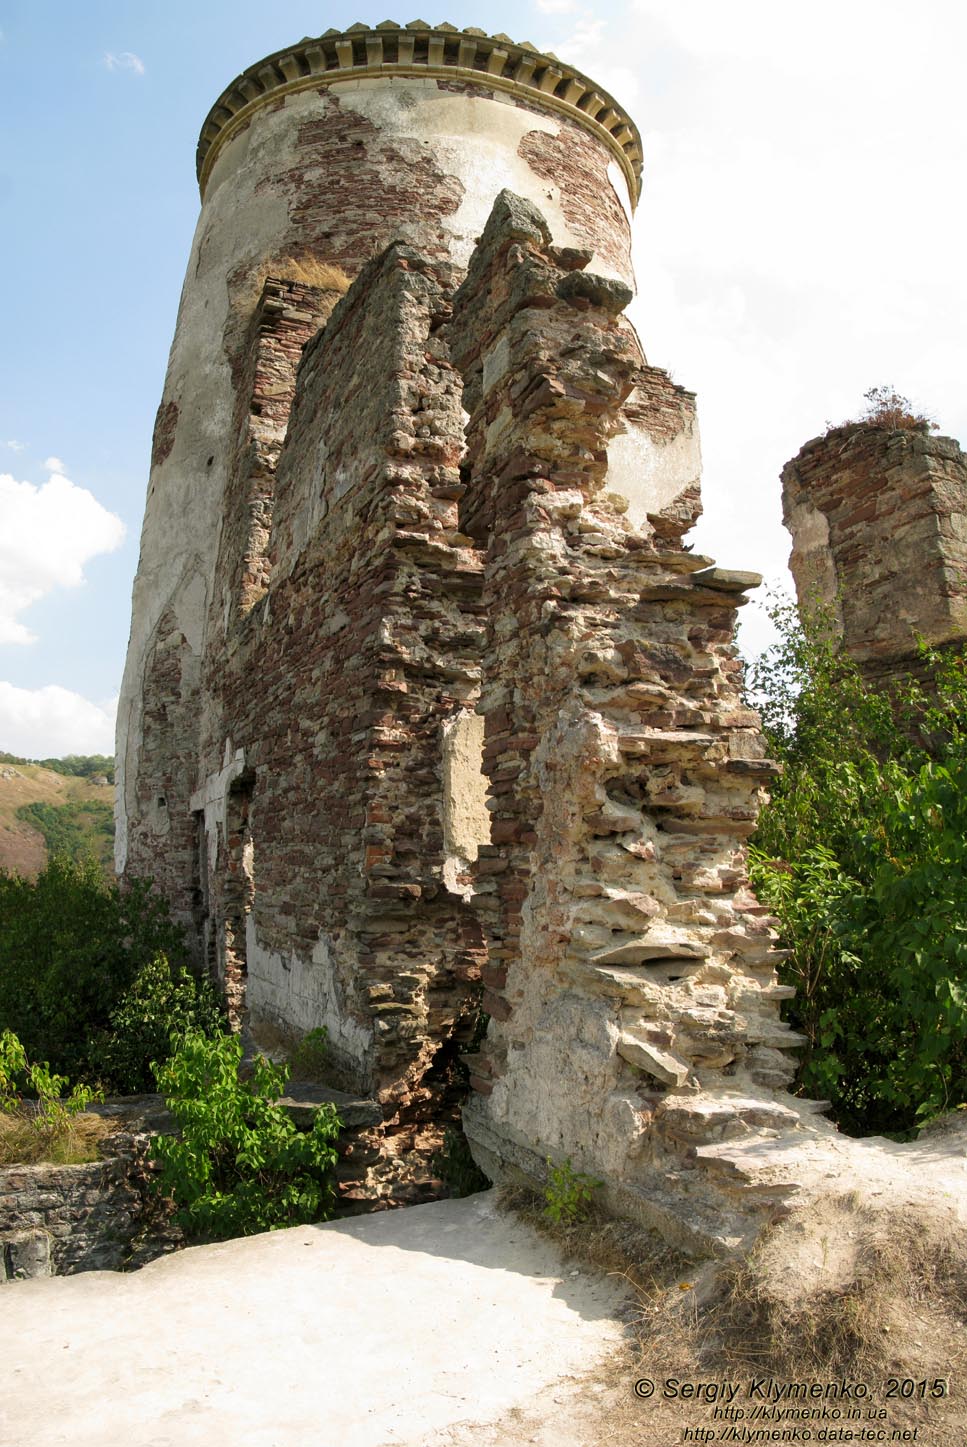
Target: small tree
[
  {"x": 163, "y": 1000},
  {"x": 239, "y": 1164},
  {"x": 862, "y": 853}
]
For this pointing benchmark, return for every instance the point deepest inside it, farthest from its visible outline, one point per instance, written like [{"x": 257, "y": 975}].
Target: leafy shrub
[
  {"x": 162, "y": 1001},
  {"x": 38, "y": 1121},
  {"x": 71, "y": 945},
  {"x": 309, "y": 1059},
  {"x": 862, "y": 853},
  {"x": 568, "y": 1194},
  {"x": 239, "y": 1164}
]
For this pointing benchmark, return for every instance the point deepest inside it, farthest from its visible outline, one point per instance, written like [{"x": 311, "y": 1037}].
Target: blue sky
[{"x": 800, "y": 240}]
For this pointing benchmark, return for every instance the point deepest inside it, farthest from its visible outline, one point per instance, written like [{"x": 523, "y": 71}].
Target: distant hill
[{"x": 64, "y": 805}]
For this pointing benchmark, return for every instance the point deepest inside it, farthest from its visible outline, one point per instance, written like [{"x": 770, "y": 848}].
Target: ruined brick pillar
[
  {"x": 879, "y": 536},
  {"x": 631, "y": 981}
]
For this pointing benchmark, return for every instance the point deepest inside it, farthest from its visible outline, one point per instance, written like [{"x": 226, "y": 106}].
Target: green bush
[
  {"x": 309, "y": 1059},
  {"x": 568, "y": 1194},
  {"x": 862, "y": 853},
  {"x": 163, "y": 1001},
  {"x": 71, "y": 946},
  {"x": 239, "y": 1164}
]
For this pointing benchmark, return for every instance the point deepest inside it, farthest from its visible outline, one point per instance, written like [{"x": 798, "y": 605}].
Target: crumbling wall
[
  {"x": 631, "y": 981},
  {"x": 287, "y": 315},
  {"x": 879, "y": 527},
  {"x": 330, "y": 701},
  {"x": 655, "y": 457}
]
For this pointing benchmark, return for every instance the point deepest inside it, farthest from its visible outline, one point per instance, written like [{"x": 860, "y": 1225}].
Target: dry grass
[
  {"x": 22, "y": 847},
  {"x": 887, "y": 409},
  {"x": 846, "y": 1288},
  {"x": 617, "y": 1248},
  {"x": 27, "y": 1139},
  {"x": 840, "y": 1288},
  {"x": 310, "y": 272}
]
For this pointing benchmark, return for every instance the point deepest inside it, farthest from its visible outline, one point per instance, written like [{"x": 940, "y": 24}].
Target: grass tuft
[{"x": 27, "y": 1139}]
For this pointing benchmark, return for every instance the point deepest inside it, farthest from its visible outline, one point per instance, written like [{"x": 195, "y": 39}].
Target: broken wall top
[{"x": 879, "y": 526}]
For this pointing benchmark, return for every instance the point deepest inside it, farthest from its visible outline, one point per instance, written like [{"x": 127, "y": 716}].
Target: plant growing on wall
[
  {"x": 239, "y": 1165},
  {"x": 887, "y": 408},
  {"x": 862, "y": 853},
  {"x": 568, "y": 1194}
]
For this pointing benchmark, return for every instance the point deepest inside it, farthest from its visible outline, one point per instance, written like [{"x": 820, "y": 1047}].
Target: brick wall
[{"x": 879, "y": 527}]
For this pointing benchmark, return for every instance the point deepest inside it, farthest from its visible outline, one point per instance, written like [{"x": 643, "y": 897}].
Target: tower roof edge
[{"x": 441, "y": 51}]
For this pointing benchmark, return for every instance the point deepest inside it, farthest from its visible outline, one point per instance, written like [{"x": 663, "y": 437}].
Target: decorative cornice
[{"x": 440, "y": 51}]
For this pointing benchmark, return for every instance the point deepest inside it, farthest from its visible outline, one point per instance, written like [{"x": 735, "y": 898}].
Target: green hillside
[{"x": 55, "y": 806}]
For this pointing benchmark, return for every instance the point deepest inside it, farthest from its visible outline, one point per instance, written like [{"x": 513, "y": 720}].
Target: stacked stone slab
[
  {"x": 631, "y": 976},
  {"x": 879, "y": 527}
]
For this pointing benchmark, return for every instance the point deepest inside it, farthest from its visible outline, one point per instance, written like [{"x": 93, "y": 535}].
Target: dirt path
[
  {"x": 389, "y": 1329},
  {"x": 448, "y": 1325}
]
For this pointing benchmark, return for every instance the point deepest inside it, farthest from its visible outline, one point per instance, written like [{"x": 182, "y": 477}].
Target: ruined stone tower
[
  {"x": 425, "y": 702},
  {"x": 878, "y": 518}
]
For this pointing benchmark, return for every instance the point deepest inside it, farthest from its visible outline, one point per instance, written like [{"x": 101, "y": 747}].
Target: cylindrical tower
[{"x": 324, "y": 154}]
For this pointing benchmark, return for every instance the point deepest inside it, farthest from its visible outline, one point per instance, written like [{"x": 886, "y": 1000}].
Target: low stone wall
[
  {"x": 103, "y": 1216},
  {"x": 99, "y": 1216}
]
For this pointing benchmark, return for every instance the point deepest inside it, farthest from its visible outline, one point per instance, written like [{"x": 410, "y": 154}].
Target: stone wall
[
  {"x": 56, "y": 1220},
  {"x": 325, "y": 857},
  {"x": 103, "y": 1215},
  {"x": 879, "y": 526},
  {"x": 631, "y": 977}
]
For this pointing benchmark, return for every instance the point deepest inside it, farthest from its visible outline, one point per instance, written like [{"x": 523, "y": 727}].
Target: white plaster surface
[
  {"x": 650, "y": 474},
  {"x": 298, "y": 995},
  {"x": 397, "y": 1328},
  {"x": 466, "y": 818},
  {"x": 811, "y": 561}
]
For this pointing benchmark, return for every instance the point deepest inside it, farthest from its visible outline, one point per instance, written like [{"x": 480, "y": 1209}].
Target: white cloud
[
  {"x": 47, "y": 534},
  {"x": 41, "y": 723},
  {"x": 124, "y": 60},
  {"x": 54, "y": 464},
  {"x": 14, "y": 445}
]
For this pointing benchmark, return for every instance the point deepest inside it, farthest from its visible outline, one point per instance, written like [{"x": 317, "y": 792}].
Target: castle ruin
[
  {"x": 427, "y": 706},
  {"x": 878, "y": 519}
]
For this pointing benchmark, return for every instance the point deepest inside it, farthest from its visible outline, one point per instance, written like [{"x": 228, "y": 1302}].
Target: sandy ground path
[{"x": 446, "y": 1323}]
